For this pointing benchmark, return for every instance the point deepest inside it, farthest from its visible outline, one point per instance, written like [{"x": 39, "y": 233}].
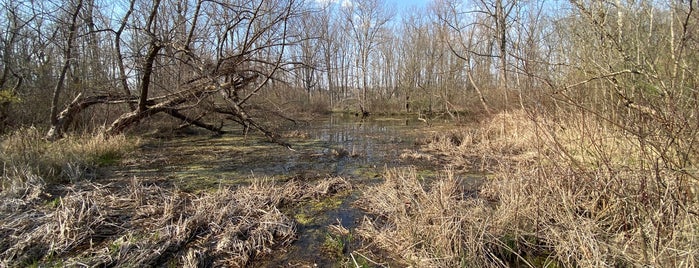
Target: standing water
[{"x": 358, "y": 150}]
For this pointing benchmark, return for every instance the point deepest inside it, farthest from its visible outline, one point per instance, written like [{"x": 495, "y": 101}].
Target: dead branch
[
  {"x": 79, "y": 104},
  {"x": 194, "y": 121}
]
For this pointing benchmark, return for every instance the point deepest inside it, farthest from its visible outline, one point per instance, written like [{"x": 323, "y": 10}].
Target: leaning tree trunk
[{"x": 58, "y": 126}]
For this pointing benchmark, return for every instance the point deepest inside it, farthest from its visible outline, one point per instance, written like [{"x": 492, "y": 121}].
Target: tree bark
[
  {"x": 80, "y": 103},
  {"x": 120, "y": 58},
  {"x": 150, "y": 59}
]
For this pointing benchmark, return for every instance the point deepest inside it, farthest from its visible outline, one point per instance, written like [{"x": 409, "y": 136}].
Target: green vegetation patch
[
  {"x": 7, "y": 96},
  {"x": 313, "y": 210}
]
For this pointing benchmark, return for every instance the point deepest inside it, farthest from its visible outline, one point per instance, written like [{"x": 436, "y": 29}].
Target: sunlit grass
[
  {"x": 67, "y": 159},
  {"x": 141, "y": 224},
  {"x": 570, "y": 192}
]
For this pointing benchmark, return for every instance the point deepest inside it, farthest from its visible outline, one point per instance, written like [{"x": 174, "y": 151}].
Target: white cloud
[{"x": 343, "y": 3}]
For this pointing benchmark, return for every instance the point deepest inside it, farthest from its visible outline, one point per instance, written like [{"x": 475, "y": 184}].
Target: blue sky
[{"x": 401, "y": 4}]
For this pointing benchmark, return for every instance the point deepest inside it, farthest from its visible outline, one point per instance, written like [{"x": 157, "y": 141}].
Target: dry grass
[
  {"x": 30, "y": 163},
  {"x": 70, "y": 158},
  {"x": 482, "y": 146},
  {"x": 425, "y": 224},
  {"x": 146, "y": 225},
  {"x": 572, "y": 193},
  {"x": 85, "y": 223}
]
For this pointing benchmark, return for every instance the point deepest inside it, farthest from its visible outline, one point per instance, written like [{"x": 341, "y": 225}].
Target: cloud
[{"x": 343, "y": 3}]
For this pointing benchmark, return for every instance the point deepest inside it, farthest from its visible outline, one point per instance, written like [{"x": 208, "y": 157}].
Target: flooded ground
[{"x": 356, "y": 149}]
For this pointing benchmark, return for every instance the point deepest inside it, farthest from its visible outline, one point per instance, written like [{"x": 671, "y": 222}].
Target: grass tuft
[
  {"x": 142, "y": 224},
  {"x": 425, "y": 224},
  {"x": 68, "y": 159},
  {"x": 563, "y": 193}
]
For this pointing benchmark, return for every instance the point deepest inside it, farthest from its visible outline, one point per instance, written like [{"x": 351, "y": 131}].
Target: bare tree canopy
[
  {"x": 188, "y": 59},
  {"x": 114, "y": 64}
]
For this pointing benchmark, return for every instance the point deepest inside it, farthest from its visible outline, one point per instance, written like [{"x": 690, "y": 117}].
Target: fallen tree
[{"x": 209, "y": 76}]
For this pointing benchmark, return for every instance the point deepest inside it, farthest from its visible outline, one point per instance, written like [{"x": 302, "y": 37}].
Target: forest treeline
[
  {"x": 589, "y": 127},
  {"x": 91, "y": 63}
]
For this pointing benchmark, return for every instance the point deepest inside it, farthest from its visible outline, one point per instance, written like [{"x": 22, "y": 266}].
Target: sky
[
  {"x": 408, "y": 3},
  {"x": 399, "y": 4}
]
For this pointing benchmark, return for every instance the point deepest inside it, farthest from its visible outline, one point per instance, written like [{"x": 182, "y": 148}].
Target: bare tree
[
  {"x": 308, "y": 30},
  {"x": 366, "y": 20},
  {"x": 462, "y": 43},
  {"x": 192, "y": 59},
  {"x": 57, "y": 124},
  {"x": 10, "y": 74}
]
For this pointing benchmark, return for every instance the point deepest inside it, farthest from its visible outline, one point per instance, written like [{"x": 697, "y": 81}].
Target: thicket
[
  {"x": 598, "y": 167},
  {"x": 569, "y": 192}
]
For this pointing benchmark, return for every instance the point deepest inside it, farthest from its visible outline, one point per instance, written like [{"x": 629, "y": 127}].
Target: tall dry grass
[
  {"x": 426, "y": 224},
  {"x": 29, "y": 162},
  {"x": 573, "y": 192},
  {"x": 70, "y": 158},
  {"x": 142, "y": 224}
]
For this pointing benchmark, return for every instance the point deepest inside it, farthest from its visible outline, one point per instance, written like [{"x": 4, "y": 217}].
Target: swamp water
[{"x": 358, "y": 150}]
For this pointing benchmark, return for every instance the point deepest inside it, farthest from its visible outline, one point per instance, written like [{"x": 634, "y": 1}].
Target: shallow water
[{"x": 356, "y": 149}]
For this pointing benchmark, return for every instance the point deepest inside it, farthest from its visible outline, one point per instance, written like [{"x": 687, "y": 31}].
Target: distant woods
[{"x": 88, "y": 64}]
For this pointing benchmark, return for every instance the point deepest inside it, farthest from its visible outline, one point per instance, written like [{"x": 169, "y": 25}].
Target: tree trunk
[
  {"x": 501, "y": 27},
  {"x": 150, "y": 59},
  {"x": 57, "y": 126},
  {"x": 120, "y": 58}
]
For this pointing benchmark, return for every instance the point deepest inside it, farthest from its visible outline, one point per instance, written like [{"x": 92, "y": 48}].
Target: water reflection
[
  {"x": 366, "y": 142},
  {"x": 337, "y": 145}
]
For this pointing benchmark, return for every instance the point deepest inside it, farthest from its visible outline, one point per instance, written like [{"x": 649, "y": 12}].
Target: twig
[
  {"x": 353, "y": 260},
  {"x": 366, "y": 258}
]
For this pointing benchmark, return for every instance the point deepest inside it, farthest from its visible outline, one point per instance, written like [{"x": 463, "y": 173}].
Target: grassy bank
[
  {"x": 31, "y": 164},
  {"x": 57, "y": 211},
  {"x": 563, "y": 193}
]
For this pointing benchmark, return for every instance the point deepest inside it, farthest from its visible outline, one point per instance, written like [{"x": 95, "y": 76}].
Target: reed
[
  {"x": 144, "y": 224},
  {"x": 564, "y": 192}
]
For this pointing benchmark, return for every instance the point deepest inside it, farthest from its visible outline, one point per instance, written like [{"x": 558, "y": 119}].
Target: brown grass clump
[
  {"x": 425, "y": 224},
  {"x": 71, "y": 158},
  {"x": 599, "y": 196},
  {"x": 572, "y": 193},
  {"x": 145, "y": 225},
  {"x": 30, "y": 163},
  {"x": 504, "y": 138}
]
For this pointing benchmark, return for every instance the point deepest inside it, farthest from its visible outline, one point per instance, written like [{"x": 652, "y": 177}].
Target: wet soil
[{"x": 359, "y": 150}]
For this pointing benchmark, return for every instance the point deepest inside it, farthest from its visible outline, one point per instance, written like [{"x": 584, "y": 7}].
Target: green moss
[
  {"x": 108, "y": 158},
  {"x": 327, "y": 203},
  {"x": 310, "y": 211},
  {"x": 7, "y": 96},
  {"x": 303, "y": 218},
  {"x": 53, "y": 203},
  {"x": 335, "y": 245}
]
